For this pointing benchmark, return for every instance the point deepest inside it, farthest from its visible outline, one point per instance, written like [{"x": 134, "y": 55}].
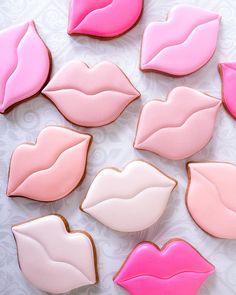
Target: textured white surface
[{"x": 113, "y": 144}]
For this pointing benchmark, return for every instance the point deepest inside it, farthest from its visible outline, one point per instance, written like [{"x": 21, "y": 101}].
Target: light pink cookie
[
  {"x": 175, "y": 269},
  {"x": 103, "y": 18},
  {"x": 53, "y": 258},
  {"x": 50, "y": 169},
  {"x": 179, "y": 127},
  {"x": 228, "y": 77},
  {"x": 129, "y": 200},
  {"x": 25, "y": 64},
  {"x": 90, "y": 97},
  {"x": 210, "y": 197},
  {"x": 182, "y": 44}
]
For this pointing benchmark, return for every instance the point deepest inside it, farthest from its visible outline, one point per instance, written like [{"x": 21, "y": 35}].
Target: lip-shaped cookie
[
  {"x": 53, "y": 258},
  {"x": 176, "y": 269},
  {"x": 91, "y": 97},
  {"x": 129, "y": 200},
  {"x": 103, "y": 18},
  {"x": 228, "y": 76},
  {"x": 50, "y": 169},
  {"x": 25, "y": 64},
  {"x": 182, "y": 44},
  {"x": 178, "y": 127},
  {"x": 212, "y": 188}
]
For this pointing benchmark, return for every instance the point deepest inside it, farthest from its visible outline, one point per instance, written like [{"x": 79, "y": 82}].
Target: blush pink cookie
[
  {"x": 90, "y": 97},
  {"x": 179, "y": 127},
  {"x": 228, "y": 77},
  {"x": 50, "y": 169},
  {"x": 129, "y": 200},
  {"x": 25, "y": 64},
  {"x": 176, "y": 269},
  {"x": 182, "y": 44},
  {"x": 210, "y": 197},
  {"x": 103, "y": 18},
  {"x": 53, "y": 258}
]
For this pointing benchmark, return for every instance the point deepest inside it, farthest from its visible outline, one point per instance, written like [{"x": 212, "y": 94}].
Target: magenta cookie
[
  {"x": 103, "y": 18},
  {"x": 178, "y": 127},
  {"x": 176, "y": 269},
  {"x": 228, "y": 78},
  {"x": 181, "y": 45},
  {"x": 53, "y": 258},
  {"x": 90, "y": 97},
  {"x": 212, "y": 188},
  {"x": 52, "y": 167},
  {"x": 25, "y": 64}
]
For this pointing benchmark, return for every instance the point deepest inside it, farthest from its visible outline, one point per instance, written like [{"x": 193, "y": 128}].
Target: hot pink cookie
[
  {"x": 182, "y": 44},
  {"x": 210, "y": 197},
  {"x": 91, "y": 97},
  {"x": 25, "y": 64},
  {"x": 228, "y": 77},
  {"x": 103, "y": 18},
  {"x": 50, "y": 169},
  {"x": 176, "y": 269},
  {"x": 53, "y": 258},
  {"x": 179, "y": 127}
]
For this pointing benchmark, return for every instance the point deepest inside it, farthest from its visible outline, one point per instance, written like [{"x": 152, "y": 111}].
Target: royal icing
[
  {"x": 176, "y": 269},
  {"x": 212, "y": 189},
  {"x": 182, "y": 44},
  {"x": 50, "y": 169},
  {"x": 228, "y": 76},
  {"x": 25, "y": 64},
  {"x": 179, "y": 127},
  {"x": 53, "y": 259},
  {"x": 88, "y": 96},
  {"x": 129, "y": 200},
  {"x": 103, "y": 18}
]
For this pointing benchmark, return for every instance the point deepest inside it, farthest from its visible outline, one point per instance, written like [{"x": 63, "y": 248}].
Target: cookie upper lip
[
  {"x": 96, "y": 86},
  {"x": 120, "y": 177},
  {"x": 163, "y": 254}
]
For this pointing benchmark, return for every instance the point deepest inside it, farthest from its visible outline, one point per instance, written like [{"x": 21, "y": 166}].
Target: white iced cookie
[
  {"x": 130, "y": 200},
  {"x": 52, "y": 258}
]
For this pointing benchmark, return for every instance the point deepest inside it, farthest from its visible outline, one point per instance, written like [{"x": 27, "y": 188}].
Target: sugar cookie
[
  {"x": 50, "y": 169},
  {"x": 129, "y": 200},
  {"x": 53, "y": 258}
]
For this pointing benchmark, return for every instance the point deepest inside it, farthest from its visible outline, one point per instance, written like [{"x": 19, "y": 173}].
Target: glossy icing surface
[
  {"x": 51, "y": 168},
  {"x": 186, "y": 120},
  {"x": 176, "y": 269},
  {"x": 212, "y": 188},
  {"x": 228, "y": 77},
  {"x": 104, "y": 18},
  {"x": 53, "y": 259},
  {"x": 25, "y": 64},
  {"x": 129, "y": 200},
  {"x": 182, "y": 44},
  {"x": 88, "y": 96}
]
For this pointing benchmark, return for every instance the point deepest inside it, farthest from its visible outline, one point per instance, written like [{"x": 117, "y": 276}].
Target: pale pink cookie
[
  {"x": 50, "y": 169},
  {"x": 178, "y": 127},
  {"x": 182, "y": 44},
  {"x": 175, "y": 269},
  {"x": 130, "y": 200},
  {"x": 210, "y": 197},
  {"x": 53, "y": 258},
  {"x": 103, "y": 18},
  {"x": 25, "y": 64},
  {"x": 228, "y": 77},
  {"x": 90, "y": 97}
]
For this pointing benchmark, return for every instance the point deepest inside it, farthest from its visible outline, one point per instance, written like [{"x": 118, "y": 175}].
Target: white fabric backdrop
[{"x": 113, "y": 144}]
